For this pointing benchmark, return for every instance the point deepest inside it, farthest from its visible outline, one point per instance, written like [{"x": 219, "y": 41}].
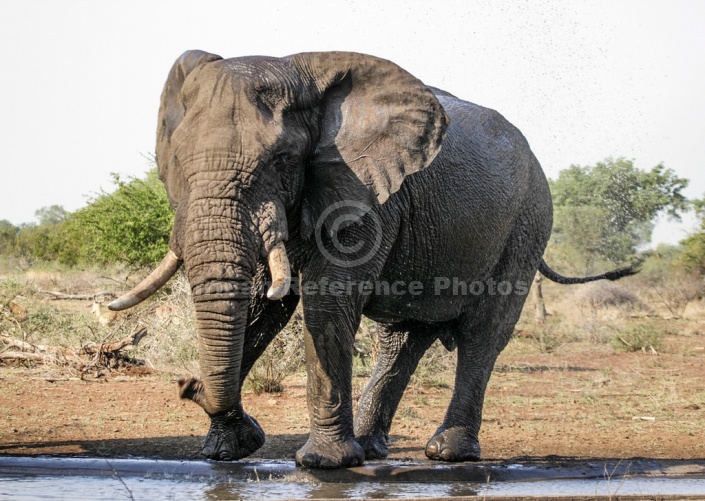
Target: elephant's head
[{"x": 252, "y": 151}]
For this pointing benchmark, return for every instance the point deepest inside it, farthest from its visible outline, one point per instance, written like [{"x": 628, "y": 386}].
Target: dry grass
[
  {"x": 172, "y": 345},
  {"x": 568, "y": 387},
  {"x": 630, "y": 315},
  {"x": 40, "y": 319},
  {"x": 283, "y": 357}
]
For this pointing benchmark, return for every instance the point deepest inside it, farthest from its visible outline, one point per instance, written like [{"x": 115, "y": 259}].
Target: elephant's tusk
[
  {"x": 281, "y": 272},
  {"x": 149, "y": 285}
]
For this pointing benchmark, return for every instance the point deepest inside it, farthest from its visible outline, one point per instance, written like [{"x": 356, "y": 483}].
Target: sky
[{"x": 583, "y": 80}]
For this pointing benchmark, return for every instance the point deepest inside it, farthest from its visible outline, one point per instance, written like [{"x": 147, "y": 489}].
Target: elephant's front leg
[
  {"x": 329, "y": 334},
  {"x": 235, "y": 434}
]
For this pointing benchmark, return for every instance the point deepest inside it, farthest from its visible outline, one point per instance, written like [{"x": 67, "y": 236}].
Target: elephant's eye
[{"x": 264, "y": 108}]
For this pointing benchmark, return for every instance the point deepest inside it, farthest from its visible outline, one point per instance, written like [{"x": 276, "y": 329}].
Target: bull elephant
[{"x": 383, "y": 197}]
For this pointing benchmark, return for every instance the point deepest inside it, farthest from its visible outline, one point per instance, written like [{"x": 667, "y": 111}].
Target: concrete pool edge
[{"x": 373, "y": 471}]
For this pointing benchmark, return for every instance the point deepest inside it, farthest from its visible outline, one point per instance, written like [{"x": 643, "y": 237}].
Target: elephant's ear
[
  {"x": 171, "y": 112},
  {"x": 377, "y": 123}
]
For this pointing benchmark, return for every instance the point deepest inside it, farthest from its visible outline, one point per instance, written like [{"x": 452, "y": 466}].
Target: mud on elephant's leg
[
  {"x": 401, "y": 346},
  {"x": 235, "y": 434}
]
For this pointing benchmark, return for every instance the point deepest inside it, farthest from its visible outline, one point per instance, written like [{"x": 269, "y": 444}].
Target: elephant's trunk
[
  {"x": 220, "y": 233},
  {"x": 223, "y": 239},
  {"x": 220, "y": 253},
  {"x": 221, "y": 333}
]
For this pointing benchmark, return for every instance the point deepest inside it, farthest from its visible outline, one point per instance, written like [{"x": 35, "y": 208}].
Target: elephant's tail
[{"x": 547, "y": 272}]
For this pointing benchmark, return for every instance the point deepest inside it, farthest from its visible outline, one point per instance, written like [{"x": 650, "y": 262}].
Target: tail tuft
[{"x": 627, "y": 271}]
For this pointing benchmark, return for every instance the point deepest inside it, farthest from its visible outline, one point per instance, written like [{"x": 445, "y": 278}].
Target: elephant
[{"x": 381, "y": 197}]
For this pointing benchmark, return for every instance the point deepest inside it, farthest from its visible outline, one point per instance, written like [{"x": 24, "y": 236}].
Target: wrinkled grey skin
[{"x": 337, "y": 156}]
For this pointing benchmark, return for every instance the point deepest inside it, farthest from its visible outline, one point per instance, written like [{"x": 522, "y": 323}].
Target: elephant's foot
[
  {"x": 232, "y": 436},
  {"x": 453, "y": 444},
  {"x": 325, "y": 452},
  {"x": 374, "y": 445}
]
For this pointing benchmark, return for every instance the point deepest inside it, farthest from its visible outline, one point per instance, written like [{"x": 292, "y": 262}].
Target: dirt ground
[{"x": 593, "y": 403}]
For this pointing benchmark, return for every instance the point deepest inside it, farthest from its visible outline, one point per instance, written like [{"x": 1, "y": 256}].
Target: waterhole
[{"x": 47, "y": 478}]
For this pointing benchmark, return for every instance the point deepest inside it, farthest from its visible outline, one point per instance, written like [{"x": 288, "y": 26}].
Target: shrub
[
  {"x": 436, "y": 368},
  {"x": 284, "y": 356},
  {"x": 606, "y": 294},
  {"x": 366, "y": 348},
  {"x": 8, "y": 234},
  {"x": 640, "y": 336},
  {"x": 678, "y": 289},
  {"x": 694, "y": 245},
  {"x": 546, "y": 335},
  {"x": 131, "y": 225},
  {"x": 9, "y": 289}
]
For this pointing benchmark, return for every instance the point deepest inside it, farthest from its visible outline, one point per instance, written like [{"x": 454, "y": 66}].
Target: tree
[
  {"x": 693, "y": 256},
  {"x": 8, "y": 234},
  {"x": 603, "y": 213},
  {"x": 51, "y": 216},
  {"x": 40, "y": 240}
]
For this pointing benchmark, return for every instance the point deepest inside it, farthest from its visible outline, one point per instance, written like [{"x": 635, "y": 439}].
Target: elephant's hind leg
[
  {"x": 457, "y": 437},
  {"x": 483, "y": 334},
  {"x": 401, "y": 347}
]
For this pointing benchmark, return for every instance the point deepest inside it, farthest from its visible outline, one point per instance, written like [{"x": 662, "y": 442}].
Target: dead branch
[
  {"x": 128, "y": 343},
  {"x": 539, "y": 304},
  {"x": 79, "y": 297},
  {"x": 628, "y": 345},
  {"x": 36, "y": 348},
  {"x": 35, "y": 357},
  {"x": 57, "y": 354},
  {"x": 22, "y": 345}
]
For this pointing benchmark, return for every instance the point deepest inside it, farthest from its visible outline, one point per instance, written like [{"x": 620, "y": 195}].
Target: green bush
[
  {"x": 37, "y": 241},
  {"x": 9, "y": 289},
  {"x": 131, "y": 225}
]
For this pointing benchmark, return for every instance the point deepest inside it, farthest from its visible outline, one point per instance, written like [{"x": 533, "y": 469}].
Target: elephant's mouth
[{"x": 278, "y": 266}]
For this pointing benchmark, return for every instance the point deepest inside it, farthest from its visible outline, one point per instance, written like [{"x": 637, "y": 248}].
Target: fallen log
[{"x": 22, "y": 345}]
